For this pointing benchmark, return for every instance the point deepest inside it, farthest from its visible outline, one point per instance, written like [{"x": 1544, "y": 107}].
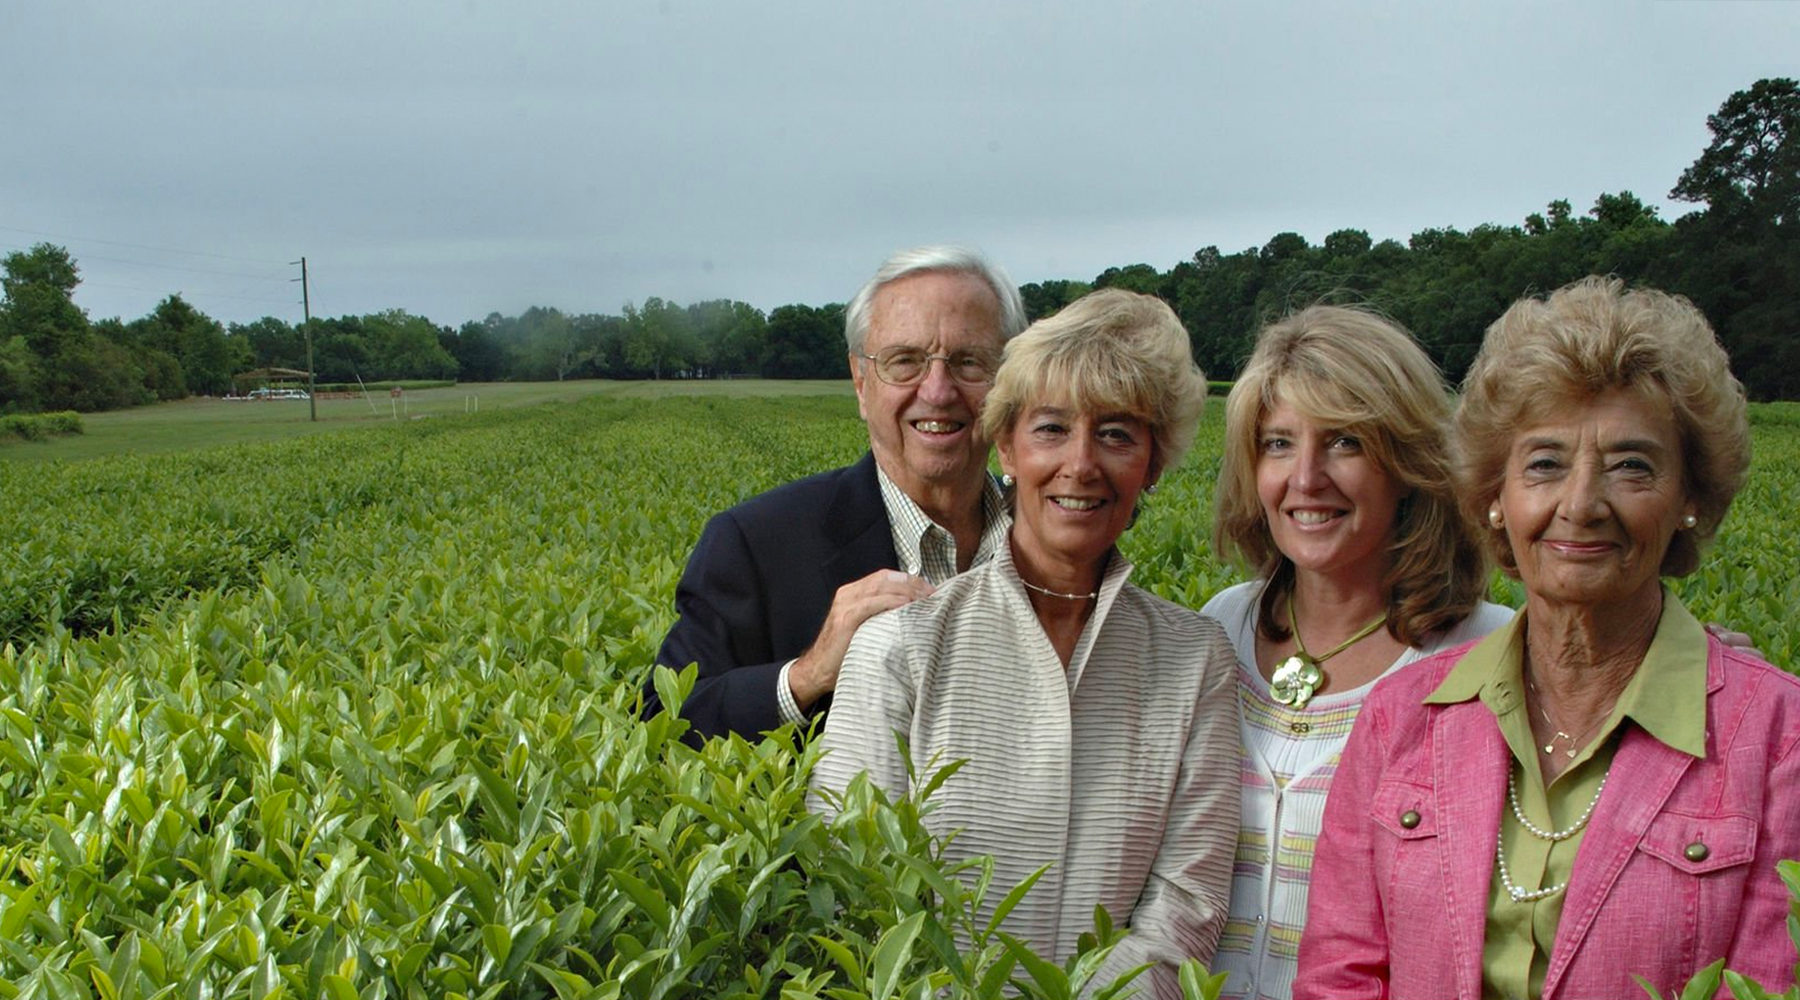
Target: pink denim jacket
[{"x": 1399, "y": 901}]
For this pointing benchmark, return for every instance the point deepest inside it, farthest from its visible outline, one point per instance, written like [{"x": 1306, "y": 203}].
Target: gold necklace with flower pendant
[{"x": 1299, "y": 675}]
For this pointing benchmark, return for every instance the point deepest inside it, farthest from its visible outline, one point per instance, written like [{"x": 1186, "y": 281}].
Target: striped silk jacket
[{"x": 1120, "y": 772}]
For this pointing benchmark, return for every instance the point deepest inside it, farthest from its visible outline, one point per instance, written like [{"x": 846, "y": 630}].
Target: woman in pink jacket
[{"x": 1599, "y": 789}]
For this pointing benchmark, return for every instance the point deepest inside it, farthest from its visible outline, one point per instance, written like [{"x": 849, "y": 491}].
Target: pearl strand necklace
[
  {"x": 1512, "y": 795},
  {"x": 1057, "y": 593}
]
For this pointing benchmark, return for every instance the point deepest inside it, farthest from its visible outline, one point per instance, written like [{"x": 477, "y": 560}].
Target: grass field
[{"x": 207, "y": 422}]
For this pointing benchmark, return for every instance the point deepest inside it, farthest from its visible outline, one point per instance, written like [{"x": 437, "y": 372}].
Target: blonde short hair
[
  {"x": 1583, "y": 340},
  {"x": 1359, "y": 372},
  {"x": 1108, "y": 351}
]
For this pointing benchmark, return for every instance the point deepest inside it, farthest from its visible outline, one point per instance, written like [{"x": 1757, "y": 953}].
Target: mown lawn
[{"x": 207, "y": 422}]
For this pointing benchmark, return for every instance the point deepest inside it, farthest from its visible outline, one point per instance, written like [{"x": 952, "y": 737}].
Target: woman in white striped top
[
  {"x": 1096, "y": 719},
  {"x": 1335, "y": 492}
]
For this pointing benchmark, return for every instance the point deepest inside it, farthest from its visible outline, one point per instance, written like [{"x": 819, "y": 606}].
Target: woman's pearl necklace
[
  {"x": 1512, "y": 795},
  {"x": 1057, "y": 593}
]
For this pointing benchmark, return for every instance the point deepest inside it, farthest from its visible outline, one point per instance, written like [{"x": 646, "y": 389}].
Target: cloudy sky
[{"x": 459, "y": 158}]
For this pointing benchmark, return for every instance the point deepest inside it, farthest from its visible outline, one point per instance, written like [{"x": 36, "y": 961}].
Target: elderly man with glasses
[{"x": 777, "y": 585}]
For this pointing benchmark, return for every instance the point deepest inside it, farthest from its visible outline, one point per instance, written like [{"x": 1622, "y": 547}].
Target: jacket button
[
  {"x": 1696, "y": 852},
  {"x": 1410, "y": 819}
]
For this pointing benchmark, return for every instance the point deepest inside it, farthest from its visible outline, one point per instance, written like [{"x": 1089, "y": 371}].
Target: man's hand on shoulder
[{"x": 814, "y": 674}]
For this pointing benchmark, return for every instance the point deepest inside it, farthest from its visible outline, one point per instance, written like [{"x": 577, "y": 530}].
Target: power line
[
  {"x": 274, "y": 295},
  {"x": 184, "y": 294},
  {"x": 170, "y": 267},
  {"x": 142, "y": 246}
]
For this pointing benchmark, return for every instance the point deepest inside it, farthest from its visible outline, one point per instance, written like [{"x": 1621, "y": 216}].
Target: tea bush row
[
  {"x": 38, "y": 426},
  {"x": 390, "y": 751},
  {"x": 93, "y": 546},
  {"x": 401, "y": 758}
]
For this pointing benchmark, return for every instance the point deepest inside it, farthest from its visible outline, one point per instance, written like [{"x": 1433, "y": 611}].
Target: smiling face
[
  {"x": 1591, "y": 498},
  {"x": 924, "y": 435},
  {"x": 1078, "y": 479},
  {"x": 1330, "y": 508}
]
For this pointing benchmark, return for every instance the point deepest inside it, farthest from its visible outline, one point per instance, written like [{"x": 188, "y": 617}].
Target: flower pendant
[{"x": 1296, "y": 680}]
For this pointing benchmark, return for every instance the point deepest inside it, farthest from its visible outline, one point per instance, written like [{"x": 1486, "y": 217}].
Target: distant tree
[
  {"x": 163, "y": 377},
  {"x": 39, "y": 304},
  {"x": 161, "y": 373},
  {"x": 735, "y": 333},
  {"x": 97, "y": 374},
  {"x": 18, "y": 376},
  {"x": 404, "y": 346},
  {"x": 1284, "y": 246},
  {"x": 274, "y": 343},
  {"x": 1215, "y": 296},
  {"x": 479, "y": 356},
  {"x": 806, "y": 342},
  {"x": 1739, "y": 259},
  {"x": 1348, "y": 243},
  {"x": 1753, "y": 162},
  {"x": 1048, "y": 297},
  {"x": 1631, "y": 238},
  {"x": 550, "y": 346},
  {"x": 340, "y": 349},
  {"x": 207, "y": 354},
  {"x": 1141, "y": 278},
  {"x": 602, "y": 339},
  {"x": 658, "y": 339}
]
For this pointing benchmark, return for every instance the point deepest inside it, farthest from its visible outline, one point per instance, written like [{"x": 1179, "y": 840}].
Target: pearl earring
[
  {"x": 1007, "y": 480},
  {"x": 1689, "y": 521},
  {"x": 1494, "y": 518}
]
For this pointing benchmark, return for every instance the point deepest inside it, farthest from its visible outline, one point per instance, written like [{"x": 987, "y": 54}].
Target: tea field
[{"x": 352, "y": 715}]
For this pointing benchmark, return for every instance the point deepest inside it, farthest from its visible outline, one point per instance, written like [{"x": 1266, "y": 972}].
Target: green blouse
[{"x": 1666, "y": 697}]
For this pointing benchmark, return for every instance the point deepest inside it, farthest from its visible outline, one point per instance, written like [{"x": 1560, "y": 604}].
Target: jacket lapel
[
  {"x": 856, "y": 523},
  {"x": 1469, "y": 764},
  {"x": 1644, "y": 773}
]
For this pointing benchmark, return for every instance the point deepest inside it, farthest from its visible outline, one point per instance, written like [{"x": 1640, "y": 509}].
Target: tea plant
[
  {"x": 354, "y": 715},
  {"x": 38, "y": 426}
]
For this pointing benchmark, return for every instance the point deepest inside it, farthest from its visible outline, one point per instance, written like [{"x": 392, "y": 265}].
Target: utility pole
[{"x": 312, "y": 395}]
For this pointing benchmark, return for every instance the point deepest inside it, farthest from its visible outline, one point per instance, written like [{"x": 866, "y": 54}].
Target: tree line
[{"x": 1737, "y": 257}]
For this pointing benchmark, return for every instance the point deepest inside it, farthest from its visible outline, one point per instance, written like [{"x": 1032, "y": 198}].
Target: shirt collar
[
  {"x": 1112, "y": 584},
  {"x": 1666, "y": 695},
  {"x": 924, "y": 547}
]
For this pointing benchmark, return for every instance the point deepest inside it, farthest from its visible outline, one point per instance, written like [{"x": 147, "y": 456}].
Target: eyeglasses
[{"x": 903, "y": 366}]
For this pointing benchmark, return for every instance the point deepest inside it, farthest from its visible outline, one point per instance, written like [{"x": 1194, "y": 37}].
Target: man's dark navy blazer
[{"x": 757, "y": 588}]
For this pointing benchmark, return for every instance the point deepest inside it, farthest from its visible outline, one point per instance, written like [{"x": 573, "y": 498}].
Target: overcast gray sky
[{"x": 459, "y": 158}]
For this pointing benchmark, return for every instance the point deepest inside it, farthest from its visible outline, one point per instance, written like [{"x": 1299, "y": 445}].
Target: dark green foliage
[
  {"x": 207, "y": 355},
  {"x": 806, "y": 342},
  {"x": 1739, "y": 260},
  {"x": 1047, "y": 297},
  {"x": 479, "y": 357}
]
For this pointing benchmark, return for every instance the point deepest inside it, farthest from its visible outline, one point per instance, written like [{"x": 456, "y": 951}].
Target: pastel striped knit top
[{"x": 1288, "y": 756}]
